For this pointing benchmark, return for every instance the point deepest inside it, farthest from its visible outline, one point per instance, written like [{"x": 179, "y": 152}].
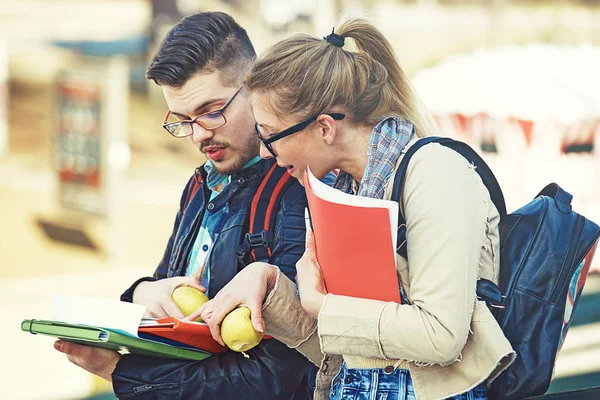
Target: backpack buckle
[
  {"x": 489, "y": 292},
  {"x": 401, "y": 237},
  {"x": 257, "y": 242},
  {"x": 257, "y": 239}
]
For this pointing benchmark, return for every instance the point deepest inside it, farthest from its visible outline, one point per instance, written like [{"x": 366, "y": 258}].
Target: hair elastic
[{"x": 334, "y": 39}]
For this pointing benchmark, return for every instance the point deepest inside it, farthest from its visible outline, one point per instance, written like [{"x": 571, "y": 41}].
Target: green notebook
[{"x": 109, "y": 339}]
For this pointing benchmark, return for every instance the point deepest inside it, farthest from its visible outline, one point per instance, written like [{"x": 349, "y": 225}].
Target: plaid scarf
[{"x": 388, "y": 139}]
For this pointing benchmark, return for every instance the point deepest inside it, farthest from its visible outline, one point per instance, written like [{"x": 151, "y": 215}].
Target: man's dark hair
[{"x": 207, "y": 42}]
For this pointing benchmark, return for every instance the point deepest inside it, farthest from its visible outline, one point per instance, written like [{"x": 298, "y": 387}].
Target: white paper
[
  {"x": 330, "y": 194},
  {"x": 104, "y": 313}
]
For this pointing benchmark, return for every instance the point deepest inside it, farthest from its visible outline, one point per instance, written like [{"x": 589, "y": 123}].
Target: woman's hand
[
  {"x": 248, "y": 288},
  {"x": 310, "y": 279}
]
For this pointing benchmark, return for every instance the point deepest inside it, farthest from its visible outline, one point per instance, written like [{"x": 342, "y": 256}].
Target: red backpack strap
[
  {"x": 264, "y": 204},
  {"x": 192, "y": 188}
]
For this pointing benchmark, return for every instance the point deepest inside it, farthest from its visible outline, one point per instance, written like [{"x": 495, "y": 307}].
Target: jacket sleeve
[
  {"x": 163, "y": 266},
  {"x": 294, "y": 327},
  {"x": 446, "y": 207},
  {"x": 223, "y": 376}
]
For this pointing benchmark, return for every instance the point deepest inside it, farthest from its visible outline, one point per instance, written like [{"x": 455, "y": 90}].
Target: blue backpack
[{"x": 545, "y": 253}]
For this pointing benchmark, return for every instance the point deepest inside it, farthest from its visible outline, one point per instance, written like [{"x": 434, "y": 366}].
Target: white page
[
  {"x": 330, "y": 194},
  {"x": 105, "y": 313}
]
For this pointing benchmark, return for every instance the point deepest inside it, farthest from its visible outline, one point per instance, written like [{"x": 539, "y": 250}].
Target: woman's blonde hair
[{"x": 305, "y": 76}]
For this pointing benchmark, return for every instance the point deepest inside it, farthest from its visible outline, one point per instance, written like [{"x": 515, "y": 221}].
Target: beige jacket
[{"x": 448, "y": 340}]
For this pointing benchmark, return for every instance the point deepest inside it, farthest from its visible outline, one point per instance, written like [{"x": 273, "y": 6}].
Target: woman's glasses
[
  {"x": 291, "y": 130},
  {"x": 210, "y": 120}
]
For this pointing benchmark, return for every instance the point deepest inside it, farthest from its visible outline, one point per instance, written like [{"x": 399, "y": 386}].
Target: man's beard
[{"x": 239, "y": 159}]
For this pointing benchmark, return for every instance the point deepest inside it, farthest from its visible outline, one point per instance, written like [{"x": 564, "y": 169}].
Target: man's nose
[
  {"x": 201, "y": 134},
  {"x": 264, "y": 153}
]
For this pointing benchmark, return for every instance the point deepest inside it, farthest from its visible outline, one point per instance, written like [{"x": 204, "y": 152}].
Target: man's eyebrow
[
  {"x": 199, "y": 108},
  {"x": 179, "y": 115},
  {"x": 208, "y": 103}
]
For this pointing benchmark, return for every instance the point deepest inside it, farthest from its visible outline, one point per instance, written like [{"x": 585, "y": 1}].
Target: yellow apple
[
  {"x": 188, "y": 299},
  {"x": 237, "y": 330}
]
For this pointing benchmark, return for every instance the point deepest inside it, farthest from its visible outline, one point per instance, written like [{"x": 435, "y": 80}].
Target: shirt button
[
  {"x": 389, "y": 369},
  {"x": 348, "y": 379},
  {"x": 211, "y": 206},
  {"x": 205, "y": 247}
]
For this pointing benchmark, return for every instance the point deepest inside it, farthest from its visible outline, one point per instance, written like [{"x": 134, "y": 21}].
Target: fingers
[
  {"x": 256, "y": 317},
  {"x": 213, "y": 319},
  {"x": 198, "y": 312},
  {"x": 69, "y": 348},
  {"x": 101, "y": 362},
  {"x": 215, "y": 331},
  {"x": 76, "y": 353},
  {"x": 194, "y": 282},
  {"x": 59, "y": 345},
  {"x": 171, "y": 309},
  {"x": 310, "y": 242},
  {"x": 214, "y": 314},
  {"x": 206, "y": 312}
]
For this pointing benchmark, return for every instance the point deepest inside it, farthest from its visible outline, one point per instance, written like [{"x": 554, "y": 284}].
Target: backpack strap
[
  {"x": 192, "y": 188},
  {"x": 265, "y": 203},
  {"x": 563, "y": 197},
  {"x": 486, "y": 174}
]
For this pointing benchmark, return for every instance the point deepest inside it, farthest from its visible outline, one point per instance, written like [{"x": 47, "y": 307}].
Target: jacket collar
[{"x": 245, "y": 176}]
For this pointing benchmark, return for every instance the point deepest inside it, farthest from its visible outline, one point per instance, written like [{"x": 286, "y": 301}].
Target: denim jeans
[{"x": 375, "y": 384}]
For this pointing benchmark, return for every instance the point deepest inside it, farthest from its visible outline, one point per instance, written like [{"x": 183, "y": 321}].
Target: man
[{"x": 200, "y": 67}]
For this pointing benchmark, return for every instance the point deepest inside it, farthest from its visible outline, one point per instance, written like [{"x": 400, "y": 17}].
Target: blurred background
[{"x": 90, "y": 182}]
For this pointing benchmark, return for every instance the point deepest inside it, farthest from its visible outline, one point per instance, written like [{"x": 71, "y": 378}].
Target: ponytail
[{"x": 354, "y": 70}]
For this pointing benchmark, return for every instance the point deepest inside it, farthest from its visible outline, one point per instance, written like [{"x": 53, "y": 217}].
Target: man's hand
[
  {"x": 156, "y": 296},
  {"x": 98, "y": 361},
  {"x": 248, "y": 288}
]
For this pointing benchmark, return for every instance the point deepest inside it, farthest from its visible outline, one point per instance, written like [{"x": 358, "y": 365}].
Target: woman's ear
[{"x": 327, "y": 128}]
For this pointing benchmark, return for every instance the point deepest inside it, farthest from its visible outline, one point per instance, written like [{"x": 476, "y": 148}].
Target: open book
[
  {"x": 355, "y": 239},
  {"x": 120, "y": 326}
]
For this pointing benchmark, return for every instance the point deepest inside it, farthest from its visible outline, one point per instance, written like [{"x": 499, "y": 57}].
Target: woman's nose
[{"x": 264, "y": 152}]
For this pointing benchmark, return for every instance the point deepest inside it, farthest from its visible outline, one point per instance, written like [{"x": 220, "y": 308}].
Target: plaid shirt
[{"x": 388, "y": 139}]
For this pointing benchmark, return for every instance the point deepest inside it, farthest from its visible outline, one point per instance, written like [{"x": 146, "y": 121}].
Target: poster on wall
[{"x": 91, "y": 101}]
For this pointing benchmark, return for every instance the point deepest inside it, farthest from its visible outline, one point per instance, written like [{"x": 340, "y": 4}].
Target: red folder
[
  {"x": 354, "y": 241},
  {"x": 195, "y": 334}
]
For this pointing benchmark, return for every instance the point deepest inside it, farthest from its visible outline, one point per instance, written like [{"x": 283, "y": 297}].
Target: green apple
[
  {"x": 237, "y": 330},
  {"x": 188, "y": 299}
]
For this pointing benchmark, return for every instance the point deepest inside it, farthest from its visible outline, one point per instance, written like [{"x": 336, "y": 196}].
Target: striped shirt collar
[{"x": 216, "y": 181}]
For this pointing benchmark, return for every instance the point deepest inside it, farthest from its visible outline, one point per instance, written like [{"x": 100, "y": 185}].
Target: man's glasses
[
  {"x": 210, "y": 120},
  {"x": 291, "y": 130}
]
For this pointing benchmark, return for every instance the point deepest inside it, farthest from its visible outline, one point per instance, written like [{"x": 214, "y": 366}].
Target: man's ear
[{"x": 327, "y": 128}]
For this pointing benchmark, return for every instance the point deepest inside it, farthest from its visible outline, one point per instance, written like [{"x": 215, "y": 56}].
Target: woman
[{"x": 344, "y": 103}]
